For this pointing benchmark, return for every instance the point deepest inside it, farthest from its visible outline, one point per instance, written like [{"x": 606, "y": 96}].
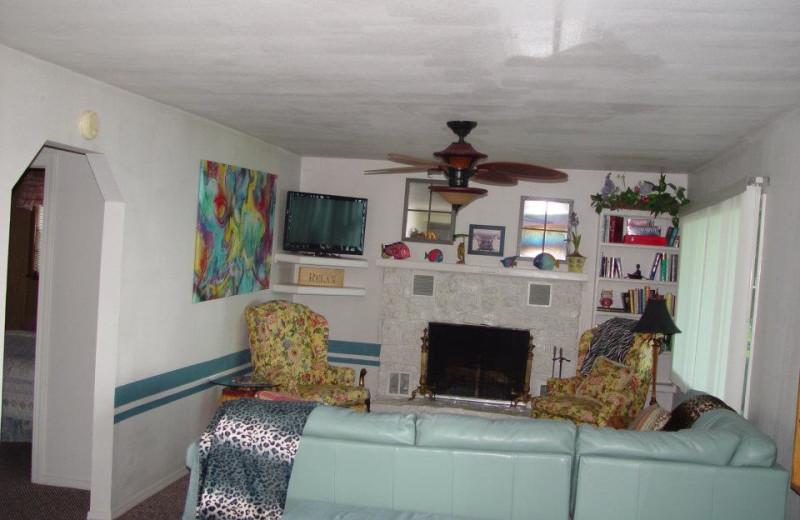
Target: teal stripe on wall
[
  {"x": 127, "y": 414},
  {"x": 144, "y": 388},
  {"x": 161, "y": 383},
  {"x": 354, "y": 361},
  {"x": 354, "y": 348}
]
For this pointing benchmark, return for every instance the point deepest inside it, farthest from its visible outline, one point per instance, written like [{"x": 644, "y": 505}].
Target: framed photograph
[{"x": 486, "y": 240}]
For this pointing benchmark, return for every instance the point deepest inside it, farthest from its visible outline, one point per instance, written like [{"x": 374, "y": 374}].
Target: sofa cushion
[
  {"x": 331, "y": 422},
  {"x": 316, "y": 510},
  {"x": 755, "y": 448},
  {"x": 512, "y": 435},
  {"x": 606, "y": 375},
  {"x": 652, "y": 418},
  {"x": 686, "y": 413},
  {"x": 699, "y": 447}
]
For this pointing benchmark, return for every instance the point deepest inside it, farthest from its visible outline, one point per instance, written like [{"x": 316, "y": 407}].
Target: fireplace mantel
[{"x": 520, "y": 272}]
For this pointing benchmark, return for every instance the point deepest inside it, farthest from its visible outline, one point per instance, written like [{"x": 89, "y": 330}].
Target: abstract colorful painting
[{"x": 235, "y": 220}]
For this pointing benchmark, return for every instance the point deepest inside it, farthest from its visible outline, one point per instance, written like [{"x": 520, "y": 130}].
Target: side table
[{"x": 240, "y": 386}]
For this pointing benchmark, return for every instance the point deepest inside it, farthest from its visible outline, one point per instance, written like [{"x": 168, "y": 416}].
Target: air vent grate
[
  {"x": 539, "y": 294},
  {"x": 423, "y": 285},
  {"x": 399, "y": 382}
]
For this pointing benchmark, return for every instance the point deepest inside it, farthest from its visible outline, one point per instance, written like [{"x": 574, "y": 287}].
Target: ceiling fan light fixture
[
  {"x": 461, "y": 157},
  {"x": 458, "y": 196}
]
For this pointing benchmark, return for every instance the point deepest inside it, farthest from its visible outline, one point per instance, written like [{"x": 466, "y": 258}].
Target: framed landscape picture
[{"x": 486, "y": 240}]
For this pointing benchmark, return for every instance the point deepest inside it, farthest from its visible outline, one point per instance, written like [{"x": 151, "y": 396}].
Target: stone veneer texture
[{"x": 468, "y": 298}]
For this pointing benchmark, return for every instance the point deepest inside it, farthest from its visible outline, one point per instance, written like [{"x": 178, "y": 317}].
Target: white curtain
[{"x": 718, "y": 250}]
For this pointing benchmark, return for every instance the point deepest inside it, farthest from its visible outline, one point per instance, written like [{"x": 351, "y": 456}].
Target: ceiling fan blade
[
  {"x": 493, "y": 178},
  {"x": 413, "y": 161},
  {"x": 402, "y": 169},
  {"x": 525, "y": 172}
]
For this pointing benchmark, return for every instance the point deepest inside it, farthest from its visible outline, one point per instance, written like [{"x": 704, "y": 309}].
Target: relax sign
[{"x": 320, "y": 277}]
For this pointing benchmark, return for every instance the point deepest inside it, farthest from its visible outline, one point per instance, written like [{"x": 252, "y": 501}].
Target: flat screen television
[{"x": 324, "y": 225}]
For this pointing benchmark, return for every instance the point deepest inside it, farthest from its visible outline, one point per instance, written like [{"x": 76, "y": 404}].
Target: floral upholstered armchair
[
  {"x": 289, "y": 347},
  {"x": 612, "y": 393}
]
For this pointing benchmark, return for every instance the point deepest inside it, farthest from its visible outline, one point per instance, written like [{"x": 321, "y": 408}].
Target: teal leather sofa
[
  {"x": 390, "y": 466},
  {"x": 351, "y": 465},
  {"x": 722, "y": 468}
]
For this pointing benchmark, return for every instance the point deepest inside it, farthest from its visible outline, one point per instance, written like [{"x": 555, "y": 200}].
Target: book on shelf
[
  {"x": 672, "y": 236},
  {"x": 645, "y": 240},
  {"x": 615, "y": 223},
  {"x": 635, "y": 300},
  {"x": 636, "y": 221},
  {"x": 655, "y": 265},
  {"x": 613, "y": 226},
  {"x": 644, "y": 230},
  {"x": 664, "y": 267},
  {"x": 610, "y": 267}
]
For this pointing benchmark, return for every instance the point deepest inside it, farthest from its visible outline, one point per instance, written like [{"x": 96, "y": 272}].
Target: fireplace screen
[{"x": 477, "y": 361}]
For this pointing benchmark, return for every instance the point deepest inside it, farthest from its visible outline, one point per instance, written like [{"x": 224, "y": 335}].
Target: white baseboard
[
  {"x": 98, "y": 515},
  {"x": 144, "y": 494},
  {"x": 52, "y": 480}
]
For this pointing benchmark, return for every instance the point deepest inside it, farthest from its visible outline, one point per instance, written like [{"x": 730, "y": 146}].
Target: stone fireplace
[{"x": 418, "y": 293}]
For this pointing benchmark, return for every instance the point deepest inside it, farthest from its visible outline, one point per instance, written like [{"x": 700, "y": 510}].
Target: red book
[
  {"x": 616, "y": 224},
  {"x": 645, "y": 240}
]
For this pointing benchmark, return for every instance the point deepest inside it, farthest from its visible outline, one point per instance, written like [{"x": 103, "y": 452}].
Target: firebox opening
[{"x": 477, "y": 361}]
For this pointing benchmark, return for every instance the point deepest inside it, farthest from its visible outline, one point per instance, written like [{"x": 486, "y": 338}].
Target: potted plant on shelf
[
  {"x": 646, "y": 196},
  {"x": 575, "y": 260}
]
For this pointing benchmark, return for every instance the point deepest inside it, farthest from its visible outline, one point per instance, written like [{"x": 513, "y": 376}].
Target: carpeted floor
[{"x": 21, "y": 500}]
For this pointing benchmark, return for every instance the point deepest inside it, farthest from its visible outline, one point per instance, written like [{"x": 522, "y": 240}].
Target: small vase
[{"x": 575, "y": 263}]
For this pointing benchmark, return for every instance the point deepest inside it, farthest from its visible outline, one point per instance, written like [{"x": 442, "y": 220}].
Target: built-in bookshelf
[{"x": 637, "y": 257}]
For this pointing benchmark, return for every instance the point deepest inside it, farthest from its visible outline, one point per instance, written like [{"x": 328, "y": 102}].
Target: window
[
  {"x": 427, "y": 216},
  {"x": 717, "y": 274},
  {"x": 544, "y": 227}
]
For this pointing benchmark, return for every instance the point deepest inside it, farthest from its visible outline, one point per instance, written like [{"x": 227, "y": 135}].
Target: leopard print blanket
[{"x": 246, "y": 457}]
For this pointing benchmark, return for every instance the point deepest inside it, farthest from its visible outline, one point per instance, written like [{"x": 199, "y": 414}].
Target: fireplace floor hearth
[{"x": 445, "y": 405}]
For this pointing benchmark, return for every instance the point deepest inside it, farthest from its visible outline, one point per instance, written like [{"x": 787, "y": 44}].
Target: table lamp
[{"x": 656, "y": 320}]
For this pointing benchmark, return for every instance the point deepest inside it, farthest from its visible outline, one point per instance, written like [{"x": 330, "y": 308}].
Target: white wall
[
  {"x": 773, "y": 152},
  {"x": 358, "y": 318},
  {"x": 74, "y": 223},
  {"x": 154, "y": 152}
]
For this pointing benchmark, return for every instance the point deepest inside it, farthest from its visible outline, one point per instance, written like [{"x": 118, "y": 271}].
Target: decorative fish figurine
[
  {"x": 396, "y": 250},
  {"x": 545, "y": 261},
  {"x": 434, "y": 255},
  {"x": 509, "y": 261}
]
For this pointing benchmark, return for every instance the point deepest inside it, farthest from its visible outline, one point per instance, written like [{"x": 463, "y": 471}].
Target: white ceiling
[{"x": 597, "y": 84}]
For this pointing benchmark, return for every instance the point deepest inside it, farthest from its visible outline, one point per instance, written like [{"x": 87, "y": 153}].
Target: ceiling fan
[{"x": 459, "y": 164}]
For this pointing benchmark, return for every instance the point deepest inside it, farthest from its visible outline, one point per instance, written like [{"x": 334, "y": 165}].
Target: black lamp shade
[{"x": 656, "y": 319}]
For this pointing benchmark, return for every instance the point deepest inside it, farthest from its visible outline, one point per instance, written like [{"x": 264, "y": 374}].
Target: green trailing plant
[{"x": 663, "y": 197}]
